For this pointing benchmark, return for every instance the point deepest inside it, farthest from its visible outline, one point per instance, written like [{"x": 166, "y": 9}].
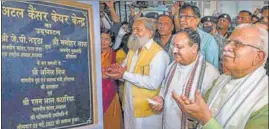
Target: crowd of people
[{"x": 184, "y": 71}]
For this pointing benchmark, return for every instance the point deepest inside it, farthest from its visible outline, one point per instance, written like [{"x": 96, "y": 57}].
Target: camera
[{"x": 140, "y": 4}]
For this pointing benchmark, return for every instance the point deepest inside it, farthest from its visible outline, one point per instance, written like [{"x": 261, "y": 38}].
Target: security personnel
[
  {"x": 224, "y": 23},
  {"x": 209, "y": 24}
]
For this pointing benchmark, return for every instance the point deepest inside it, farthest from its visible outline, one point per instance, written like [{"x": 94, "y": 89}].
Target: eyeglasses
[
  {"x": 186, "y": 16},
  {"x": 238, "y": 44}
]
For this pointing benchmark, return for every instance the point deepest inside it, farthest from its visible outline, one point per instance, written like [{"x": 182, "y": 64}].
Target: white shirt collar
[
  {"x": 180, "y": 66},
  {"x": 148, "y": 44}
]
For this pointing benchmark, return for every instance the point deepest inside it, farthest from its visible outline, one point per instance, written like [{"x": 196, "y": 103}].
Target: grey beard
[{"x": 135, "y": 42}]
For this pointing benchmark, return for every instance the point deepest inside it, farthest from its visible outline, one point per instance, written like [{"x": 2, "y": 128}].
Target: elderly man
[
  {"x": 239, "y": 100},
  {"x": 210, "y": 26},
  {"x": 189, "y": 17},
  {"x": 189, "y": 71},
  {"x": 143, "y": 71},
  {"x": 244, "y": 16},
  {"x": 224, "y": 23},
  {"x": 165, "y": 29}
]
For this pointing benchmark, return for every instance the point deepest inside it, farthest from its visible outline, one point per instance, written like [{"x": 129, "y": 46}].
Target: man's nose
[
  {"x": 174, "y": 50},
  {"x": 239, "y": 20},
  {"x": 135, "y": 35},
  {"x": 228, "y": 47},
  {"x": 134, "y": 32},
  {"x": 182, "y": 19}
]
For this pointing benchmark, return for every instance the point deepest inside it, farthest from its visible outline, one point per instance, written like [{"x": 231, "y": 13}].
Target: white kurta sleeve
[
  {"x": 156, "y": 73},
  {"x": 162, "y": 90},
  {"x": 164, "y": 86}
]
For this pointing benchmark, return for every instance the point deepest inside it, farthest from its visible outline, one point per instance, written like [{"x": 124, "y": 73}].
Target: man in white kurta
[
  {"x": 153, "y": 81},
  {"x": 188, "y": 68},
  {"x": 150, "y": 81},
  {"x": 238, "y": 100}
]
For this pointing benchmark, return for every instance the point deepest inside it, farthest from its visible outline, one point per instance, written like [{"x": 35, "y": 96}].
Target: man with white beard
[{"x": 143, "y": 71}]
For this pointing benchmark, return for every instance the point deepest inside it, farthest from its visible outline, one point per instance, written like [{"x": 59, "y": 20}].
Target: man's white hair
[
  {"x": 262, "y": 42},
  {"x": 150, "y": 24}
]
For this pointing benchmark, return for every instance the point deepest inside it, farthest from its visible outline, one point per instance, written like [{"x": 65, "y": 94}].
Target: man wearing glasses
[
  {"x": 189, "y": 17},
  {"x": 238, "y": 100}
]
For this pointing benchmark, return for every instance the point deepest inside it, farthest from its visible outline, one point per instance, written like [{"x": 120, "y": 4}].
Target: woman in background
[{"x": 111, "y": 106}]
